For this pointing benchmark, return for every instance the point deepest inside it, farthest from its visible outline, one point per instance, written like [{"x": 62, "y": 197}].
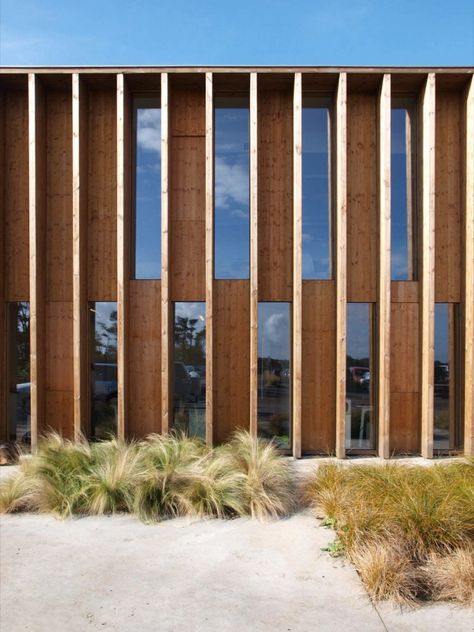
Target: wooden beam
[
  {"x": 341, "y": 261},
  {"x": 468, "y": 290},
  {"x": 253, "y": 254},
  {"x": 427, "y": 264},
  {"x": 297, "y": 264},
  {"x": 209, "y": 255},
  {"x": 37, "y": 219},
  {"x": 383, "y": 280},
  {"x": 166, "y": 335}
]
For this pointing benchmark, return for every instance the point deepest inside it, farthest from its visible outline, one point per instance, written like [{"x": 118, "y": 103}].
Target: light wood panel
[
  {"x": 448, "y": 208},
  {"x": 275, "y": 195},
  {"x": 144, "y": 359},
  {"x": 166, "y": 334},
  {"x": 209, "y": 258},
  {"x": 297, "y": 265},
  {"x": 404, "y": 292},
  {"x": 404, "y": 426},
  {"x": 383, "y": 278},
  {"x": 253, "y": 253},
  {"x": 318, "y": 367},
  {"x": 102, "y": 195},
  {"x": 341, "y": 261},
  {"x": 3, "y": 324},
  {"x": 427, "y": 258},
  {"x": 231, "y": 327},
  {"x": 362, "y": 217}
]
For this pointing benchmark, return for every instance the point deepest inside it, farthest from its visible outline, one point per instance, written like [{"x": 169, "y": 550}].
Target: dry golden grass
[{"x": 451, "y": 576}]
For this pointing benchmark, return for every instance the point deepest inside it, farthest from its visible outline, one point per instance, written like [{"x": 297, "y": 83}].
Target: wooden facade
[{"x": 66, "y": 241}]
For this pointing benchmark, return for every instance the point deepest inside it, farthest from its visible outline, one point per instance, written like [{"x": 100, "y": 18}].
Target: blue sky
[{"x": 241, "y": 32}]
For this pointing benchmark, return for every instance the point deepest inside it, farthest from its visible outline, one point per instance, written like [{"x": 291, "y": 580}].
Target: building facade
[{"x": 287, "y": 250}]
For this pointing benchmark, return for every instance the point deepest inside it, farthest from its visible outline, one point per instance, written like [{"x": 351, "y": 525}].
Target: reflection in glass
[
  {"x": 18, "y": 374},
  {"x": 232, "y": 189},
  {"x": 148, "y": 189},
  {"x": 402, "y": 169},
  {"x": 360, "y": 432},
  {"x": 104, "y": 369},
  {"x": 189, "y": 369},
  {"x": 316, "y": 193},
  {"x": 445, "y": 409},
  {"x": 274, "y": 373}
]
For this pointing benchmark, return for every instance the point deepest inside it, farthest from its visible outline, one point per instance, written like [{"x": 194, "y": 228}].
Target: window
[
  {"x": 103, "y": 317},
  {"x": 147, "y": 263},
  {"x": 446, "y": 384},
  {"x": 18, "y": 372},
  {"x": 403, "y": 169},
  {"x": 189, "y": 369},
  {"x": 316, "y": 164},
  {"x": 360, "y": 430},
  {"x": 274, "y": 373},
  {"x": 231, "y": 189}
]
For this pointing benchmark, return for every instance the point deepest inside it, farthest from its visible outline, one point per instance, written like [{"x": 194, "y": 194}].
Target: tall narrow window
[
  {"x": 103, "y": 327},
  {"x": 231, "y": 189},
  {"x": 147, "y": 188},
  {"x": 360, "y": 429},
  {"x": 274, "y": 373},
  {"x": 18, "y": 372},
  {"x": 446, "y": 385},
  {"x": 403, "y": 169},
  {"x": 317, "y": 255},
  {"x": 189, "y": 369}
]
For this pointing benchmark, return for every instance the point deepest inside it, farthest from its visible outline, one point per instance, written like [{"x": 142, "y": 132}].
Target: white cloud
[{"x": 232, "y": 186}]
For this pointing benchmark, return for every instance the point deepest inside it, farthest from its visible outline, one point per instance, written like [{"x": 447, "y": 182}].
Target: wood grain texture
[
  {"x": 102, "y": 195},
  {"x": 144, "y": 359},
  {"x": 166, "y": 335},
  {"x": 253, "y": 254},
  {"x": 275, "y": 195},
  {"x": 209, "y": 259},
  {"x": 3, "y": 322},
  {"x": 404, "y": 423},
  {"x": 404, "y": 292},
  {"x": 318, "y": 367},
  {"x": 448, "y": 206},
  {"x": 362, "y": 217},
  {"x": 404, "y": 348},
  {"x": 231, "y": 357}
]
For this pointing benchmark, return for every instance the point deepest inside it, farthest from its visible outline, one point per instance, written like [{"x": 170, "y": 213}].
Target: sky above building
[{"x": 241, "y": 32}]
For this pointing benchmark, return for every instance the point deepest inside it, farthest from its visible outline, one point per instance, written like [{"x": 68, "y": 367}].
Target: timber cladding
[{"x": 67, "y": 247}]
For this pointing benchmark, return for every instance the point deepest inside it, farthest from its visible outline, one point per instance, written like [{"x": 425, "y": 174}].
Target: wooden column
[
  {"x": 468, "y": 283},
  {"x": 209, "y": 255},
  {"x": 426, "y": 253},
  {"x": 166, "y": 334},
  {"x": 297, "y": 264},
  {"x": 3, "y": 331},
  {"x": 253, "y": 254},
  {"x": 383, "y": 279},
  {"x": 79, "y": 263},
  {"x": 37, "y": 213},
  {"x": 123, "y": 249},
  {"x": 341, "y": 261}
]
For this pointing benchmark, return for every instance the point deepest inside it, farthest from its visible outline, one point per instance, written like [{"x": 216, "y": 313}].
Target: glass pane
[
  {"x": 18, "y": 345},
  {"x": 231, "y": 194},
  {"x": 316, "y": 194},
  {"x": 444, "y": 402},
  {"x": 403, "y": 233},
  {"x": 189, "y": 369},
  {"x": 104, "y": 370},
  {"x": 359, "y": 388},
  {"x": 148, "y": 193},
  {"x": 274, "y": 373}
]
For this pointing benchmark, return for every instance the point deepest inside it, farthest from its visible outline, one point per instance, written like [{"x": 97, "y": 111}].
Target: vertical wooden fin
[
  {"x": 341, "y": 261},
  {"x": 253, "y": 254},
  {"x": 297, "y": 264},
  {"x": 468, "y": 290},
  {"x": 209, "y": 255},
  {"x": 383, "y": 286},
  {"x": 427, "y": 265},
  {"x": 165, "y": 304},
  {"x": 3, "y": 332}
]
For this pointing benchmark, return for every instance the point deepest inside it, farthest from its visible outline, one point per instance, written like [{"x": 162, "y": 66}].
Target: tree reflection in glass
[
  {"x": 18, "y": 351},
  {"x": 189, "y": 369}
]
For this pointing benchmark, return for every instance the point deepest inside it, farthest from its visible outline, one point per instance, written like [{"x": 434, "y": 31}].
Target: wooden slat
[
  {"x": 427, "y": 265},
  {"x": 340, "y": 261},
  {"x": 3, "y": 380},
  {"x": 253, "y": 254},
  {"x": 165, "y": 304},
  {"x": 209, "y": 257},
  {"x": 297, "y": 265},
  {"x": 468, "y": 283},
  {"x": 383, "y": 279}
]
